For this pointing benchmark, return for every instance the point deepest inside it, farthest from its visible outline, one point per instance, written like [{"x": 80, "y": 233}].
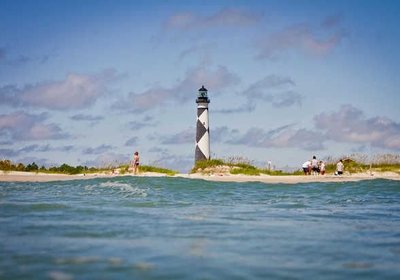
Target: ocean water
[{"x": 174, "y": 228}]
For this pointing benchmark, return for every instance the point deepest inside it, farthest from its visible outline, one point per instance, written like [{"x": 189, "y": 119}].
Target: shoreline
[
  {"x": 16, "y": 176},
  {"x": 294, "y": 179}
]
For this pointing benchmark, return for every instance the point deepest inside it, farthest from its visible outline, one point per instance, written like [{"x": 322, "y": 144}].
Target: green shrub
[
  {"x": 280, "y": 172},
  {"x": 251, "y": 170},
  {"x": 147, "y": 168},
  {"x": 203, "y": 164}
]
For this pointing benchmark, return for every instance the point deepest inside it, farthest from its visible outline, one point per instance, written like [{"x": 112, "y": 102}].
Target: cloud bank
[
  {"x": 349, "y": 124},
  {"x": 181, "y": 92},
  {"x": 10, "y": 153},
  {"x": 281, "y": 137},
  {"x": 76, "y": 91},
  {"x": 24, "y": 126},
  {"x": 279, "y": 91},
  {"x": 97, "y": 150},
  {"x": 314, "y": 40}
]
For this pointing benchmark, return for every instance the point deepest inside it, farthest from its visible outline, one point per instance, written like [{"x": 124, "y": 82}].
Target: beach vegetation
[
  {"x": 360, "y": 163},
  {"x": 7, "y": 165},
  {"x": 232, "y": 165},
  {"x": 125, "y": 169},
  {"x": 245, "y": 170},
  {"x": 32, "y": 167},
  {"x": 148, "y": 168},
  {"x": 203, "y": 164},
  {"x": 354, "y": 163},
  {"x": 272, "y": 172},
  {"x": 67, "y": 169}
]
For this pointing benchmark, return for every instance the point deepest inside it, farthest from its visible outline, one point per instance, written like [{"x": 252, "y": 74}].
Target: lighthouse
[{"x": 202, "y": 130}]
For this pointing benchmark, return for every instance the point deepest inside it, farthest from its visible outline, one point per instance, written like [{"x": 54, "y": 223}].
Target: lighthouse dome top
[{"x": 202, "y": 88}]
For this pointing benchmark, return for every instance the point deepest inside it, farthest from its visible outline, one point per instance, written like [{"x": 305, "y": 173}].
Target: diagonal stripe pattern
[{"x": 202, "y": 134}]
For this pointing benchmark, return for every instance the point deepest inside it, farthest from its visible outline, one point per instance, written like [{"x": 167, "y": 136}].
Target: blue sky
[{"x": 90, "y": 82}]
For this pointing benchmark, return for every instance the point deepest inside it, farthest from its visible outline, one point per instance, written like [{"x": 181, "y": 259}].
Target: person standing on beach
[
  {"x": 339, "y": 167},
  {"x": 314, "y": 166},
  {"x": 322, "y": 167},
  {"x": 135, "y": 163}
]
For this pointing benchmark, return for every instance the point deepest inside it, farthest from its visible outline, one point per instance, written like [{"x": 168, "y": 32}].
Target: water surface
[{"x": 175, "y": 228}]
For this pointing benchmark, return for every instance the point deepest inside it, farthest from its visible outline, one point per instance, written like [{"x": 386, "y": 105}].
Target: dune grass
[
  {"x": 236, "y": 165},
  {"x": 359, "y": 163},
  {"x": 148, "y": 168},
  {"x": 353, "y": 164},
  {"x": 7, "y": 165}
]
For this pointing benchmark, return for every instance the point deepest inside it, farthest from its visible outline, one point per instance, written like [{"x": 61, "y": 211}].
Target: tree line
[{"x": 7, "y": 165}]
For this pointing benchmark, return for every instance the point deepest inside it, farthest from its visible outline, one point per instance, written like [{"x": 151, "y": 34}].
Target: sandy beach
[{"x": 15, "y": 176}]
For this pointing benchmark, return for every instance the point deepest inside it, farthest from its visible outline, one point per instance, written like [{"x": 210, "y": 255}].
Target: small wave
[
  {"x": 124, "y": 187},
  {"x": 59, "y": 275},
  {"x": 78, "y": 260},
  {"x": 144, "y": 266},
  {"x": 28, "y": 206},
  {"x": 358, "y": 265}
]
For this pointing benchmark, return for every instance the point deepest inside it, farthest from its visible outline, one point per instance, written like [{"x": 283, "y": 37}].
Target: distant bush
[
  {"x": 354, "y": 163},
  {"x": 32, "y": 167},
  {"x": 7, "y": 165},
  {"x": 360, "y": 163},
  {"x": 280, "y": 172},
  {"x": 146, "y": 168},
  {"x": 67, "y": 169},
  {"x": 203, "y": 164},
  {"x": 246, "y": 170},
  {"x": 235, "y": 165}
]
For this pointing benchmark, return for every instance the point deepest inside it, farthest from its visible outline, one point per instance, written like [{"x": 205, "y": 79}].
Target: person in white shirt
[
  {"x": 314, "y": 166},
  {"x": 339, "y": 167},
  {"x": 306, "y": 167}
]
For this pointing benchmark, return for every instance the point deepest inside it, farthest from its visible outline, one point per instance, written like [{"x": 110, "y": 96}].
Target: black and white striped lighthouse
[{"x": 202, "y": 131}]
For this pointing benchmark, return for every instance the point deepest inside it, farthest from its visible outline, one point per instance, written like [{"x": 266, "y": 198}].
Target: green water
[{"x": 171, "y": 228}]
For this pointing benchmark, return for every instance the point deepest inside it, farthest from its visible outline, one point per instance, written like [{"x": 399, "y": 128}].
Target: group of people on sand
[
  {"x": 314, "y": 167},
  {"x": 317, "y": 167}
]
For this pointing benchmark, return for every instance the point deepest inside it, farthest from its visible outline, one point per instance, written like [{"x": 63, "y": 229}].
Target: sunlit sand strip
[
  {"x": 15, "y": 176},
  {"x": 293, "y": 179}
]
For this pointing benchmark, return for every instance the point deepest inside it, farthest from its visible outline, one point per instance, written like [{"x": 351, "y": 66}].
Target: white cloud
[
  {"x": 222, "y": 133},
  {"x": 11, "y": 153},
  {"x": 183, "y": 137},
  {"x": 24, "y": 126},
  {"x": 107, "y": 160},
  {"x": 304, "y": 37},
  {"x": 281, "y": 137},
  {"x": 97, "y": 150},
  {"x": 215, "y": 79},
  {"x": 274, "y": 89},
  {"x": 76, "y": 91},
  {"x": 349, "y": 124},
  {"x": 89, "y": 118}
]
